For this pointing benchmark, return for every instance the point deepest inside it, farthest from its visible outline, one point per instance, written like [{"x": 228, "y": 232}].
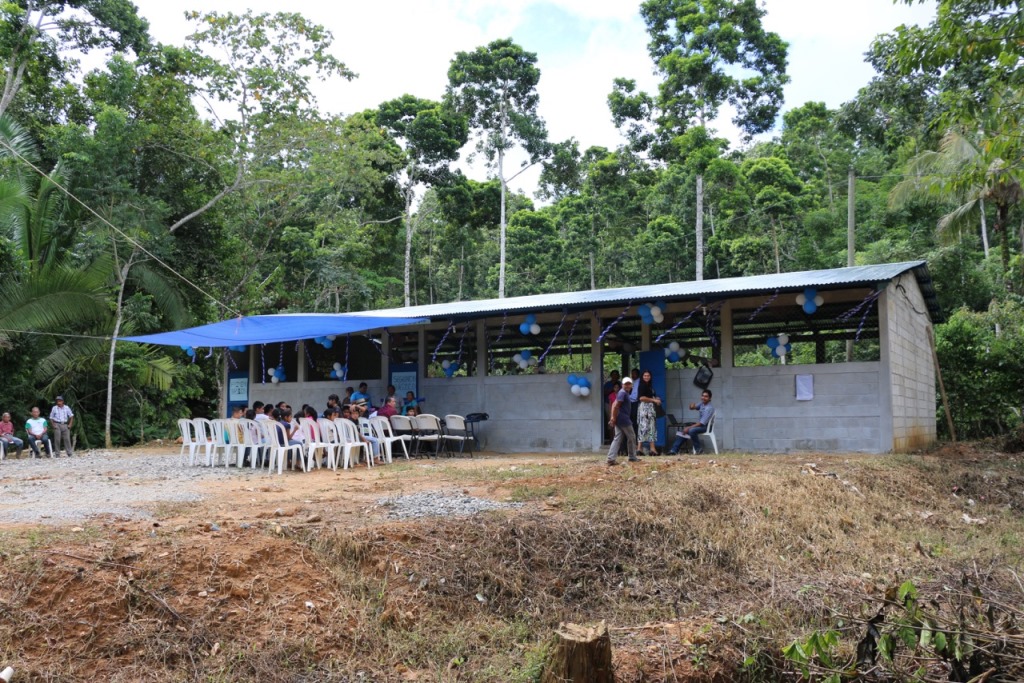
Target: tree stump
[{"x": 581, "y": 654}]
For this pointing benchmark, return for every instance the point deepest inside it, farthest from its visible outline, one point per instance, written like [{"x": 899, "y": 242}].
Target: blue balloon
[
  {"x": 648, "y": 319},
  {"x": 673, "y": 357},
  {"x": 191, "y": 352},
  {"x": 662, "y": 305},
  {"x": 643, "y": 310},
  {"x": 525, "y": 353},
  {"x": 584, "y": 382},
  {"x": 810, "y": 292},
  {"x": 524, "y": 328},
  {"x": 571, "y": 379},
  {"x": 789, "y": 347},
  {"x": 328, "y": 343},
  {"x": 531, "y": 319},
  {"x": 809, "y": 306},
  {"x": 772, "y": 342}
]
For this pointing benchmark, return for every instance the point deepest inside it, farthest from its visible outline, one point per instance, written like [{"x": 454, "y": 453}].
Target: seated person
[
  {"x": 389, "y": 408},
  {"x": 693, "y": 431},
  {"x": 363, "y": 394},
  {"x": 37, "y": 429},
  {"x": 411, "y": 404},
  {"x": 7, "y": 434}
]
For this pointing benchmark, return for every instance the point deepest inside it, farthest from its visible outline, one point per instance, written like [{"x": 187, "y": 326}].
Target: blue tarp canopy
[{"x": 265, "y": 329}]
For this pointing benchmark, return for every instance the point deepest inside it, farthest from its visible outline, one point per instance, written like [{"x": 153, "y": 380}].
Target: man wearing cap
[
  {"x": 61, "y": 417},
  {"x": 623, "y": 424}
]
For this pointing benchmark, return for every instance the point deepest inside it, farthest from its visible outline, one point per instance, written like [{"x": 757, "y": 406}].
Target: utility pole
[{"x": 850, "y": 242}]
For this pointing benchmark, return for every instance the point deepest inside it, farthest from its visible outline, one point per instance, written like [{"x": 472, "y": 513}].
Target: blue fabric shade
[{"x": 265, "y": 329}]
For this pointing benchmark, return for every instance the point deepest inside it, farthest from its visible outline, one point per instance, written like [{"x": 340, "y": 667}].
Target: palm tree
[{"x": 963, "y": 172}]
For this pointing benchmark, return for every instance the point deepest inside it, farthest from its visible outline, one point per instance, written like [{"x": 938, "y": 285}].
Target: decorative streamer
[
  {"x": 462, "y": 340},
  {"x": 280, "y": 360},
  {"x": 763, "y": 306},
  {"x": 866, "y": 305},
  {"x": 552, "y": 343},
  {"x": 263, "y": 366},
  {"x": 571, "y": 330},
  {"x": 348, "y": 342},
  {"x": 501, "y": 333},
  {"x": 674, "y": 327},
  {"x": 210, "y": 354},
  {"x": 309, "y": 357},
  {"x": 231, "y": 360},
  {"x": 615, "y": 322},
  {"x": 451, "y": 326},
  {"x": 714, "y": 312}
]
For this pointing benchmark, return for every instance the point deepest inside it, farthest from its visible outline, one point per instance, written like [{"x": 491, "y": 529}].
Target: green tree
[
  {"x": 708, "y": 52},
  {"x": 431, "y": 137},
  {"x": 495, "y": 88},
  {"x": 774, "y": 187}
]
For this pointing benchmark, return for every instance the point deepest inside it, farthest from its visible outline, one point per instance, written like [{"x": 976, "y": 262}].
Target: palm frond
[
  {"x": 59, "y": 300},
  {"x": 165, "y": 295},
  {"x": 17, "y": 138},
  {"x": 963, "y": 217}
]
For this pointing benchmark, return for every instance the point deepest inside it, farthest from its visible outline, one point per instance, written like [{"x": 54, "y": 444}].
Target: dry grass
[{"x": 703, "y": 572}]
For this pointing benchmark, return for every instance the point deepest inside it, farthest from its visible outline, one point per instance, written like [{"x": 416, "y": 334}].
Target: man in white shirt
[
  {"x": 61, "y": 417},
  {"x": 36, "y": 428}
]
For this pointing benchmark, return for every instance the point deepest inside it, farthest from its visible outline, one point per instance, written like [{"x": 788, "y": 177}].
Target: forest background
[{"x": 180, "y": 184}]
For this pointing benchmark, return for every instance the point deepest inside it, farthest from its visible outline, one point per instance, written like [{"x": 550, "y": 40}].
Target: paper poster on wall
[
  {"x": 804, "y": 387},
  {"x": 404, "y": 377}
]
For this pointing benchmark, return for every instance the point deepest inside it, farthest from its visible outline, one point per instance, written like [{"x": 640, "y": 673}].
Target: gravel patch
[
  {"x": 439, "y": 504},
  {"x": 99, "y": 483}
]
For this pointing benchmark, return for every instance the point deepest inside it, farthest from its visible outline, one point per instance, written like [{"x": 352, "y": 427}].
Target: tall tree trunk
[
  {"x": 118, "y": 319},
  {"x": 984, "y": 228},
  {"x": 1003, "y": 229},
  {"x": 775, "y": 243},
  {"x": 699, "y": 258},
  {"x": 501, "y": 234},
  {"x": 711, "y": 224},
  {"x": 408, "y": 244}
]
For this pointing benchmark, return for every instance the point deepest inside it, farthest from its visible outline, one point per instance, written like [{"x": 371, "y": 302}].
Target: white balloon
[
  {"x": 783, "y": 339},
  {"x": 535, "y": 328},
  {"x": 660, "y": 318},
  {"x": 674, "y": 346},
  {"x": 446, "y": 364},
  {"x": 270, "y": 372},
  {"x": 275, "y": 379},
  {"x": 801, "y": 299},
  {"x": 337, "y": 367},
  {"x": 532, "y": 361},
  {"x": 332, "y": 337},
  {"x": 523, "y": 365},
  {"x": 517, "y": 359},
  {"x": 584, "y": 391},
  {"x": 576, "y": 389},
  {"x": 780, "y": 351},
  {"x": 819, "y": 300},
  {"x": 655, "y": 311},
  {"x": 668, "y": 351}
]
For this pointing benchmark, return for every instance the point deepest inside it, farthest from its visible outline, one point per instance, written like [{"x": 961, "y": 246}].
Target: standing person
[
  {"x": 623, "y": 424},
  {"x": 634, "y": 395},
  {"x": 613, "y": 379},
  {"x": 37, "y": 429},
  {"x": 7, "y": 434},
  {"x": 647, "y": 417},
  {"x": 62, "y": 417},
  {"x": 705, "y": 411}
]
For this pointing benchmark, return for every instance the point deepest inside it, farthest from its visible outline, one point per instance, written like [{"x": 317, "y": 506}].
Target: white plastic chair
[
  {"x": 366, "y": 431},
  {"x": 277, "y": 445},
  {"x": 188, "y": 439},
  {"x": 382, "y": 428},
  {"x": 329, "y": 433},
  {"x": 403, "y": 428},
  {"x": 428, "y": 430},
  {"x": 248, "y": 440},
  {"x": 710, "y": 433},
  {"x": 312, "y": 441},
  {"x": 223, "y": 432},
  {"x": 349, "y": 441},
  {"x": 455, "y": 431},
  {"x": 204, "y": 437}
]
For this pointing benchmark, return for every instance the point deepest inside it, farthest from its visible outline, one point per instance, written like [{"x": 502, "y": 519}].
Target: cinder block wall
[{"x": 911, "y": 368}]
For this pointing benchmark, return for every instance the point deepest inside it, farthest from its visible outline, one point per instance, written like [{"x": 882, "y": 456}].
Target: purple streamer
[
  {"x": 868, "y": 300},
  {"x": 348, "y": 342},
  {"x": 263, "y": 366},
  {"x": 552, "y": 343},
  {"x": 681, "y": 322},
  {"x": 763, "y": 306},
  {"x": 615, "y": 322},
  {"x": 571, "y": 330},
  {"x": 501, "y": 333},
  {"x": 462, "y": 340},
  {"x": 309, "y": 357},
  {"x": 451, "y": 326},
  {"x": 280, "y": 361},
  {"x": 231, "y": 360}
]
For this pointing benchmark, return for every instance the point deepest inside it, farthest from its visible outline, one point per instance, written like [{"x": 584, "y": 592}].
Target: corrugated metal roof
[{"x": 833, "y": 278}]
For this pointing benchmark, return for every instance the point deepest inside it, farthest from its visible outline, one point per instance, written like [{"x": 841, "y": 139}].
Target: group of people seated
[
  {"x": 355, "y": 405},
  {"x": 37, "y": 431}
]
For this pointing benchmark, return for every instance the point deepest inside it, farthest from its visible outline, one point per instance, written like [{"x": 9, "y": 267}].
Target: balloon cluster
[
  {"x": 238, "y": 349},
  {"x": 810, "y": 300},
  {"x": 652, "y": 313},
  {"x": 327, "y": 341},
  {"x": 449, "y": 368},
  {"x": 276, "y": 374},
  {"x": 524, "y": 359},
  {"x": 529, "y": 325},
  {"x": 579, "y": 385},
  {"x": 779, "y": 345},
  {"x": 189, "y": 350},
  {"x": 339, "y": 372},
  {"x": 672, "y": 352}
]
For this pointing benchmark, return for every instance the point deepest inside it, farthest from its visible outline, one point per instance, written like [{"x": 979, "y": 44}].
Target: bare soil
[{"x": 703, "y": 569}]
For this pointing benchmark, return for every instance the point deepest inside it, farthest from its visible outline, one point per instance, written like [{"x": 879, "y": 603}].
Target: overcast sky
[{"x": 405, "y": 46}]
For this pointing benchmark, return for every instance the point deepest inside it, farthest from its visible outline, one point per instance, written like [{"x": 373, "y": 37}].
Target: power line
[{"x": 113, "y": 227}]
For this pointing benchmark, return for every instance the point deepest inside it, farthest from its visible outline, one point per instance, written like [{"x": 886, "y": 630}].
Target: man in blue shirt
[
  {"x": 363, "y": 394},
  {"x": 623, "y": 424},
  {"x": 705, "y": 411}
]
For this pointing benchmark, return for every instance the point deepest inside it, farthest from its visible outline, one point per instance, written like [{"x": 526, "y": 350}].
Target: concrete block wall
[{"x": 911, "y": 367}]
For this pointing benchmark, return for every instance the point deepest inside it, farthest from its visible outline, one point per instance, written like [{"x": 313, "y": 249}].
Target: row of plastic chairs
[
  {"x": 266, "y": 442},
  {"x": 428, "y": 429}
]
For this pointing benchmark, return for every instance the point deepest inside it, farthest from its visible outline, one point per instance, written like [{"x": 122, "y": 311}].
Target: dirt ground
[{"x": 271, "y": 576}]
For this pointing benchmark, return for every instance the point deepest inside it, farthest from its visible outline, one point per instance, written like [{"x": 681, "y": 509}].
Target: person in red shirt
[{"x": 389, "y": 408}]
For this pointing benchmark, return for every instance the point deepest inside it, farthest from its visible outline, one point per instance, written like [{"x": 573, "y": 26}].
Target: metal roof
[{"x": 710, "y": 290}]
